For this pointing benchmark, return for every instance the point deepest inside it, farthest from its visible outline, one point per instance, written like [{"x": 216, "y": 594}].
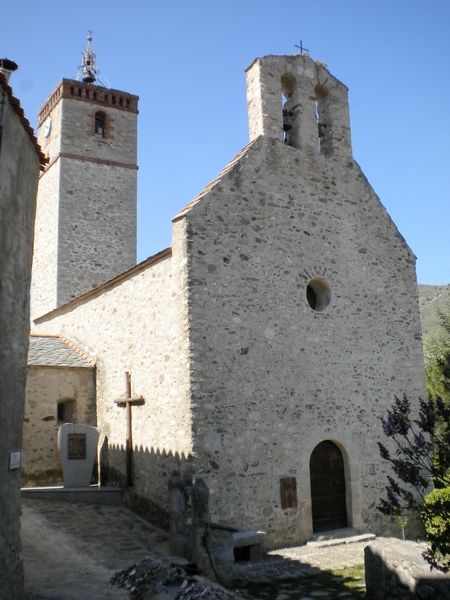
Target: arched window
[
  {"x": 288, "y": 85},
  {"x": 100, "y": 124},
  {"x": 323, "y": 118}
]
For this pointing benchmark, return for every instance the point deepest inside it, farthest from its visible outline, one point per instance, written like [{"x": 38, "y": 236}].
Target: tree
[
  {"x": 437, "y": 372},
  {"x": 420, "y": 459},
  {"x": 415, "y": 443},
  {"x": 437, "y": 369}
]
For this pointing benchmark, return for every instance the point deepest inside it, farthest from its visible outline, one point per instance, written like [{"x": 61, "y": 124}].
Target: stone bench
[{"x": 248, "y": 545}]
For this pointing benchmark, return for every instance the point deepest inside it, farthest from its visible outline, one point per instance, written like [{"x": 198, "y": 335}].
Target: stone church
[{"x": 261, "y": 348}]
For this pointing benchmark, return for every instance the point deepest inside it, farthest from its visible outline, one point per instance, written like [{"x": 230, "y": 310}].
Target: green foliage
[
  {"x": 402, "y": 522},
  {"x": 438, "y": 380},
  {"x": 438, "y": 367},
  {"x": 436, "y": 519}
]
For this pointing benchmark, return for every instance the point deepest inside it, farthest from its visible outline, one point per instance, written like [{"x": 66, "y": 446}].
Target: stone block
[{"x": 77, "y": 445}]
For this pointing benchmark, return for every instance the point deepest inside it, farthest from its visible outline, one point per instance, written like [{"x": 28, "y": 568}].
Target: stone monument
[{"x": 77, "y": 445}]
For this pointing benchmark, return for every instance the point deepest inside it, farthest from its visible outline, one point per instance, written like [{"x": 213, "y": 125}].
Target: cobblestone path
[
  {"x": 308, "y": 572},
  {"x": 71, "y": 550}
]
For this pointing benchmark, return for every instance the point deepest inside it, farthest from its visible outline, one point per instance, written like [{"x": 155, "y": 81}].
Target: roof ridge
[
  {"x": 117, "y": 279},
  {"x": 76, "y": 349},
  {"x": 212, "y": 184}
]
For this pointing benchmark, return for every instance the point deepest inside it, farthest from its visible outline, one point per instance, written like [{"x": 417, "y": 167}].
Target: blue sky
[{"x": 186, "y": 61}]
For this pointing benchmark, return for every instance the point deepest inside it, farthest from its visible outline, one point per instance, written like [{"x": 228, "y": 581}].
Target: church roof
[
  {"x": 56, "y": 351},
  {"x": 25, "y": 123},
  {"x": 117, "y": 280}
]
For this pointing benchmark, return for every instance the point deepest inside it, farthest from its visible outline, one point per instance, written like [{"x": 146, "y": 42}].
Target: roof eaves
[
  {"x": 148, "y": 262},
  {"x": 90, "y": 361},
  {"x": 25, "y": 123}
]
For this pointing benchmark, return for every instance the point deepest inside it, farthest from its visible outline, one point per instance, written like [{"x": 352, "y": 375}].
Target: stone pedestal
[{"x": 77, "y": 445}]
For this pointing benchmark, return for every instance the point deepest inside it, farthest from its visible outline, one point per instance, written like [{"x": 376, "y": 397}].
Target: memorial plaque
[{"x": 76, "y": 446}]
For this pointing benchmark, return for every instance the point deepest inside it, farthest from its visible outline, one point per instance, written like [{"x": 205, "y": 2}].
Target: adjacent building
[{"x": 20, "y": 161}]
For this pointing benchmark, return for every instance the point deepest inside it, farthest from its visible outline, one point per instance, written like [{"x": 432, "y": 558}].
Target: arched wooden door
[{"x": 326, "y": 468}]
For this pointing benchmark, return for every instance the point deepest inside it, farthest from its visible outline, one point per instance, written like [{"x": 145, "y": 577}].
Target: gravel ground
[{"x": 71, "y": 551}]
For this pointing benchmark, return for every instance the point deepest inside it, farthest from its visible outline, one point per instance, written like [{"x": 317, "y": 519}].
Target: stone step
[
  {"x": 336, "y": 537},
  {"x": 93, "y": 494}
]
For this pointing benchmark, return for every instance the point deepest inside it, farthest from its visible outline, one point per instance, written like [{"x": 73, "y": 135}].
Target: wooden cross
[
  {"x": 300, "y": 47},
  {"x": 128, "y": 402}
]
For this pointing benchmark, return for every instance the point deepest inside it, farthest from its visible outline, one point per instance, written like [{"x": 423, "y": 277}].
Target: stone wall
[
  {"x": 19, "y": 168},
  {"x": 45, "y": 257},
  {"x": 139, "y": 324},
  {"x": 244, "y": 365},
  {"x": 97, "y": 225},
  {"x": 46, "y": 386},
  {"x": 86, "y": 214},
  {"x": 270, "y": 377},
  {"x": 396, "y": 570}
]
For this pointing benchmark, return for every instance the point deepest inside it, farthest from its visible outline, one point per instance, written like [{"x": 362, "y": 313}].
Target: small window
[
  {"x": 318, "y": 293},
  {"x": 100, "y": 124},
  {"x": 66, "y": 411}
]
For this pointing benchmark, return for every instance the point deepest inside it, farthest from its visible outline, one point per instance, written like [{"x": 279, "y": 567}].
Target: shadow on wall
[{"x": 150, "y": 471}]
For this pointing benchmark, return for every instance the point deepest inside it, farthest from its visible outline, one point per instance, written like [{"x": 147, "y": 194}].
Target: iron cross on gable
[
  {"x": 301, "y": 48},
  {"x": 127, "y": 403}
]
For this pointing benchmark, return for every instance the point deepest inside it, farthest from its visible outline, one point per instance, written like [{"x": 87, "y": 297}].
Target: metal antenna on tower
[{"x": 88, "y": 71}]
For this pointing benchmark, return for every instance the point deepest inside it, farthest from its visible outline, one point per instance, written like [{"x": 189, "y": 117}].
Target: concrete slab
[
  {"x": 248, "y": 538},
  {"x": 336, "y": 537},
  {"x": 93, "y": 494}
]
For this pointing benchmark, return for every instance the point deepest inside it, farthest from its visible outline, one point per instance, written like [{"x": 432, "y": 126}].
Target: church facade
[{"x": 268, "y": 340}]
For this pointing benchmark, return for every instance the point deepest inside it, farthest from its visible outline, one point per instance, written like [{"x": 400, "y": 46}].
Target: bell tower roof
[{"x": 88, "y": 71}]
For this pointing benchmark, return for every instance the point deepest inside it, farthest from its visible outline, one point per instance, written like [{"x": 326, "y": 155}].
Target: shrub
[{"x": 436, "y": 519}]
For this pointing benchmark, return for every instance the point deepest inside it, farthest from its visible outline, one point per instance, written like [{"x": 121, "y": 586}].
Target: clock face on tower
[{"x": 47, "y": 126}]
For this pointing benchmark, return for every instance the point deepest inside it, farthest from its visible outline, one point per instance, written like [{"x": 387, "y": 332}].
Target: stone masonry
[
  {"x": 20, "y": 159},
  {"x": 285, "y": 314},
  {"x": 138, "y": 323},
  {"x": 86, "y": 209},
  {"x": 400, "y": 572},
  {"x": 271, "y": 378},
  {"x": 60, "y": 388}
]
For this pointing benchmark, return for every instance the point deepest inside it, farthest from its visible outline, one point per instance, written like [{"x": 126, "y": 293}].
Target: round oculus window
[{"x": 318, "y": 293}]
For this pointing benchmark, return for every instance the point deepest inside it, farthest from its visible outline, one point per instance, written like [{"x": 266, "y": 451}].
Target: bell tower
[
  {"x": 85, "y": 229},
  {"x": 296, "y": 99}
]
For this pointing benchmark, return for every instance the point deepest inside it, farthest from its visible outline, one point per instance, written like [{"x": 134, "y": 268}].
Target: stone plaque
[
  {"x": 76, "y": 446},
  {"x": 15, "y": 458},
  {"x": 288, "y": 492}
]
